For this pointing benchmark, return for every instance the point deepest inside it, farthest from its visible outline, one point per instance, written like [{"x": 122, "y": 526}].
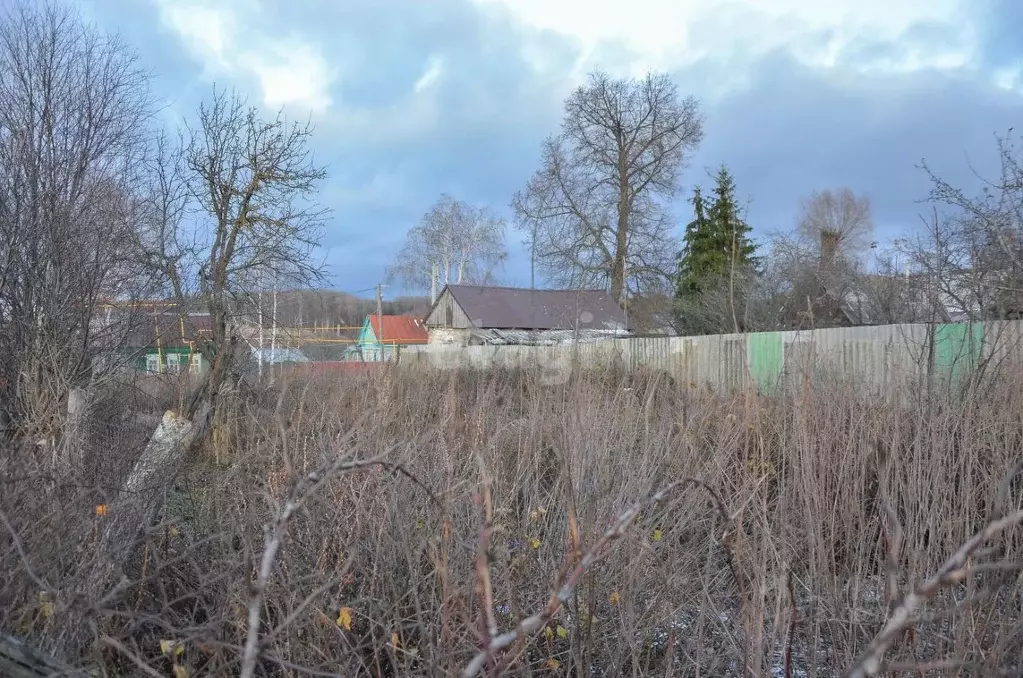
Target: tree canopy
[
  {"x": 717, "y": 246},
  {"x": 596, "y": 212}
]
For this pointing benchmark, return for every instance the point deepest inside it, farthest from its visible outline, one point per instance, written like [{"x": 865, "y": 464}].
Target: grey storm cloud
[
  {"x": 1002, "y": 39},
  {"x": 797, "y": 129},
  {"x": 783, "y": 127}
]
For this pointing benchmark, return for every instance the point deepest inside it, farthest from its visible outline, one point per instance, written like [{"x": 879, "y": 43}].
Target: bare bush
[
  {"x": 829, "y": 506},
  {"x": 975, "y": 248}
]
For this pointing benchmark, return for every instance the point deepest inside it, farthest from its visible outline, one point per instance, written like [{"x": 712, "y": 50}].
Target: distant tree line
[{"x": 329, "y": 308}]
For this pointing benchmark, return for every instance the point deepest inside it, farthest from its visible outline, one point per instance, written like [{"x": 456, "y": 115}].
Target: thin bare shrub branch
[
  {"x": 275, "y": 535},
  {"x": 952, "y": 572},
  {"x": 593, "y": 555}
]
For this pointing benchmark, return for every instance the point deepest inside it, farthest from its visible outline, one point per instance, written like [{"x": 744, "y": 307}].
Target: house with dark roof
[
  {"x": 382, "y": 336},
  {"x": 481, "y": 314}
]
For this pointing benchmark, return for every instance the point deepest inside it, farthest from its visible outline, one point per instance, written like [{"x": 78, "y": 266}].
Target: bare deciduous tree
[
  {"x": 980, "y": 244},
  {"x": 814, "y": 274},
  {"x": 838, "y": 222},
  {"x": 243, "y": 185},
  {"x": 74, "y": 110},
  {"x": 455, "y": 242},
  {"x": 892, "y": 292},
  {"x": 162, "y": 246},
  {"x": 248, "y": 182},
  {"x": 596, "y": 210},
  {"x": 946, "y": 277}
]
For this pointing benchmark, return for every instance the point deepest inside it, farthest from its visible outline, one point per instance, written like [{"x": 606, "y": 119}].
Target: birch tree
[
  {"x": 596, "y": 213},
  {"x": 455, "y": 242}
]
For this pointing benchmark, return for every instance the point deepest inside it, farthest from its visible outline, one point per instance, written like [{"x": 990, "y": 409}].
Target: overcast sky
[{"x": 412, "y": 98}]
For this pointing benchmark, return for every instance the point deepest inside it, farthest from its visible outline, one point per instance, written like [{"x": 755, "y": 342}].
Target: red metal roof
[{"x": 399, "y": 329}]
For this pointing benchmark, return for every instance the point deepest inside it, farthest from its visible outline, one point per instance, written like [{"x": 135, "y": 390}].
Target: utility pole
[
  {"x": 273, "y": 331},
  {"x": 532, "y": 279},
  {"x": 380, "y": 319},
  {"x": 625, "y": 291}
]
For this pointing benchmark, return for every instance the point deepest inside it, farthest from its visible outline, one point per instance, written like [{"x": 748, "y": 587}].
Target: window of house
[
  {"x": 173, "y": 363},
  {"x": 197, "y": 362},
  {"x": 153, "y": 363},
  {"x": 449, "y": 316}
]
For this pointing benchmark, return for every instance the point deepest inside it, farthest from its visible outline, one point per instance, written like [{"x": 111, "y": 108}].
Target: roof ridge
[{"x": 529, "y": 289}]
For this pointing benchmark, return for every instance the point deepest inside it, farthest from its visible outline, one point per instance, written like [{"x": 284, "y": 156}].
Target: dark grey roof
[
  {"x": 517, "y": 308},
  {"x": 545, "y": 337}
]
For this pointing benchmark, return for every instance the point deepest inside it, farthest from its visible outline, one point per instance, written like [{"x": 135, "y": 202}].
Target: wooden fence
[{"x": 879, "y": 357}]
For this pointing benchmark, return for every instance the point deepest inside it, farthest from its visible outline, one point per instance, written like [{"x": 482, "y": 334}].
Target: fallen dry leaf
[{"x": 344, "y": 618}]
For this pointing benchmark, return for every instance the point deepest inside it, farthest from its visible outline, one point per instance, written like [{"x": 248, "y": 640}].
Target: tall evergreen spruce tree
[
  {"x": 717, "y": 241},
  {"x": 697, "y": 253}
]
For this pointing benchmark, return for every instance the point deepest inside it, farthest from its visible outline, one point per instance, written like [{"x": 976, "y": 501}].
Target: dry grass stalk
[
  {"x": 955, "y": 569},
  {"x": 530, "y": 625}
]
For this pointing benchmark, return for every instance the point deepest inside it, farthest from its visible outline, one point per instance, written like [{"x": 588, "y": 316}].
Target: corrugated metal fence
[{"x": 878, "y": 357}]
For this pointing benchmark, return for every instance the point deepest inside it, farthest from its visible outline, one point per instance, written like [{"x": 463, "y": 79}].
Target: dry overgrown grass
[{"x": 835, "y": 507}]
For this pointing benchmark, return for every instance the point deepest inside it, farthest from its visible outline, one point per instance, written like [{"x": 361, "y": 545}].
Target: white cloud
[
  {"x": 290, "y": 70},
  {"x": 669, "y": 33},
  {"x": 1010, "y": 78},
  {"x": 434, "y": 69},
  {"x": 406, "y": 120},
  {"x": 204, "y": 30}
]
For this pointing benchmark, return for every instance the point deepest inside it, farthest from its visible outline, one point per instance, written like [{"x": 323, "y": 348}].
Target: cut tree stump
[{"x": 18, "y": 660}]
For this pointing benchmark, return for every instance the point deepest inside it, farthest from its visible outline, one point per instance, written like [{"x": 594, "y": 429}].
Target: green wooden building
[{"x": 167, "y": 343}]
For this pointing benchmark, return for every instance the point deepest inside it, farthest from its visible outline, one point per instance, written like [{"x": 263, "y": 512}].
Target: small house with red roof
[{"x": 382, "y": 336}]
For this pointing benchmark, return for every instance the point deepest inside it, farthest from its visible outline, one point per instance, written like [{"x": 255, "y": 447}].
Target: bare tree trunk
[
  {"x": 618, "y": 264},
  {"x": 134, "y": 508},
  {"x": 17, "y": 660},
  {"x": 273, "y": 332},
  {"x": 75, "y": 433},
  {"x": 731, "y": 284},
  {"x": 259, "y": 356},
  {"x": 142, "y": 491},
  {"x": 433, "y": 284},
  {"x": 622, "y": 232}
]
